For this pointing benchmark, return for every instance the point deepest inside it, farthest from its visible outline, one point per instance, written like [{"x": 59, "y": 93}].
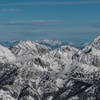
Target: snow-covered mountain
[{"x": 36, "y": 71}]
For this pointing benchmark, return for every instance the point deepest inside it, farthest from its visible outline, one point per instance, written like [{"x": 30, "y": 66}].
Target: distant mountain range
[
  {"x": 8, "y": 43},
  {"x": 49, "y": 70},
  {"x": 49, "y": 43}
]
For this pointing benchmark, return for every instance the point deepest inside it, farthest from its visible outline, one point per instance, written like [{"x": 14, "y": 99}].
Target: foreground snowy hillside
[{"x": 34, "y": 71}]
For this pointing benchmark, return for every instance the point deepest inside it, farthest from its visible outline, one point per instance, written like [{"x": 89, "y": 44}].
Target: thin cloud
[
  {"x": 51, "y": 3},
  {"x": 61, "y": 30},
  {"x": 9, "y": 10},
  {"x": 35, "y": 22}
]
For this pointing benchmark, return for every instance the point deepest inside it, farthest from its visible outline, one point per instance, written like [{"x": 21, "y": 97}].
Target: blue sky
[{"x": 65, "y": 20}]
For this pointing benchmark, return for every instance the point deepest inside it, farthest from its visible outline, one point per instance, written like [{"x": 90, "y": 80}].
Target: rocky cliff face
[{"x": 32, "y": 71}]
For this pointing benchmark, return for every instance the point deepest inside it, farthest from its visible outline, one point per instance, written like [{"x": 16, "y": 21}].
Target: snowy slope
[
  {"x": 6, "y": 55},
  {"x": 60, "y": 58}
]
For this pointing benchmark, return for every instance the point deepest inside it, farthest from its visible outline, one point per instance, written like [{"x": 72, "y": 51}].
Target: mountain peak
[
  {"x": 29, "y": 47},
  {"x": 96, "y": 43}
]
